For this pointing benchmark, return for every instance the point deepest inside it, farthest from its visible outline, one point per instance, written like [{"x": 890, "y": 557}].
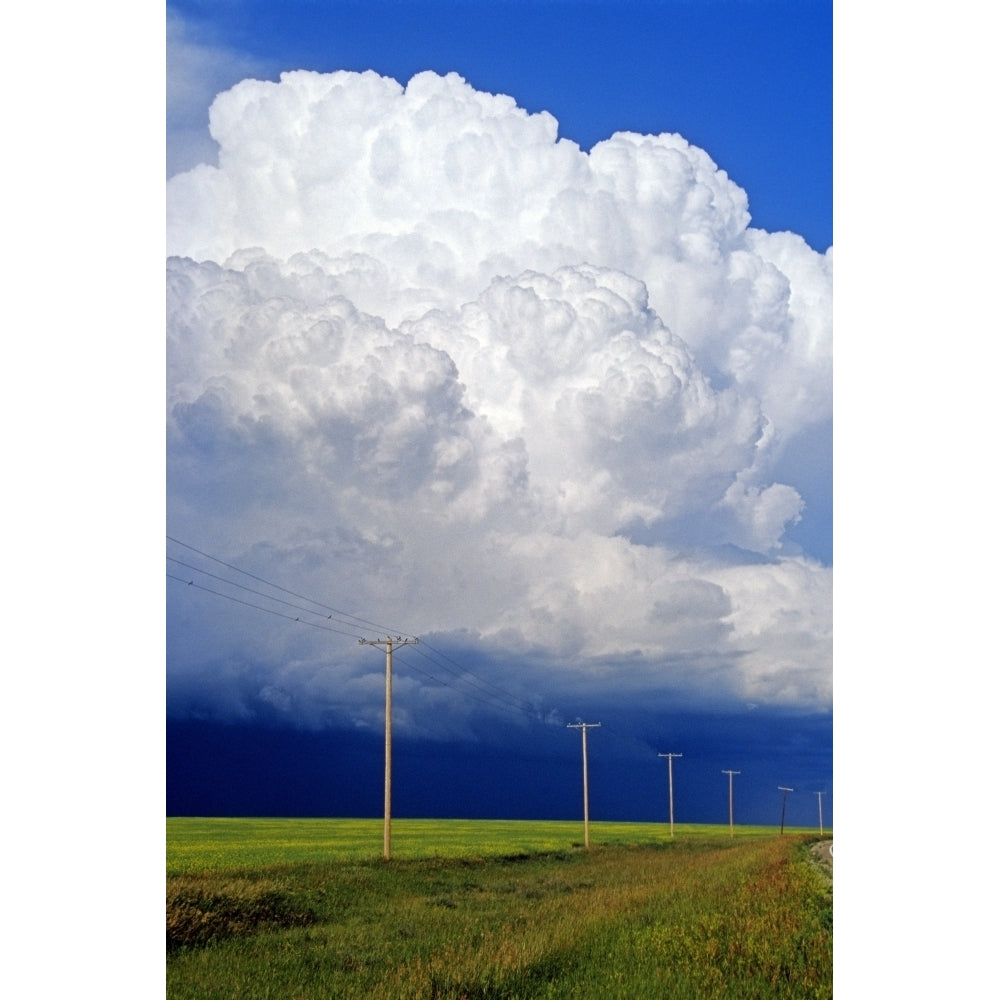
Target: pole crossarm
[{"x": 388, "y": 642}]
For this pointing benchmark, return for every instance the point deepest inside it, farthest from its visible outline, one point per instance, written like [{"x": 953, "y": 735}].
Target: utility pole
[
  {"x": 670, "y": 783},
  {"x": 784, "y": 796},
  {"x": 583, "y": 727},
  {"x": 388, "y": 642},
  {"x": 731, "y": 773},
  {"x": 819, "y": 798}
]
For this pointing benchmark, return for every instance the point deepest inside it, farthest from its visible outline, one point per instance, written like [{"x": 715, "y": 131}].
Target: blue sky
[
  {"x": 749, "y": 81},
  {"x": 471, "y": 369}
]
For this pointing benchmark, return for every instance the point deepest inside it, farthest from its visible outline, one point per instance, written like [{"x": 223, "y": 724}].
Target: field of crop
[{"x": 490, "y": 910}]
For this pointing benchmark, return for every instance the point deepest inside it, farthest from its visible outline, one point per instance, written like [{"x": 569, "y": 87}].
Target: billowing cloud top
[{"x": 427, "y": 358}]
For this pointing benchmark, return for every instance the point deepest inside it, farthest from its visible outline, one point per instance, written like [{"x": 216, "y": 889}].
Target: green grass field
[{"x": 493, "y": 909}]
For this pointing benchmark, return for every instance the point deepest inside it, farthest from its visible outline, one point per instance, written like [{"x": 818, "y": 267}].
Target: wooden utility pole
[
  {"x": 819, "y": 798},
  {"x": 731, "y": 773},
  {"x": 784, "y": 796},
  {"x": 388, "y": 642},
  {"x": 583, "y": 727},
  {"x": 670, "y": 784}
]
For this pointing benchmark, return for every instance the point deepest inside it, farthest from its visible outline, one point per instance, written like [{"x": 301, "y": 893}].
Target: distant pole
[
  {"x": 583, "y": 727},
  {"x": 731, "y": 773},
  {"x": 387, "y": 812},
  {"x": 670, "y": 784},
  {"x": 819, "y": 798},
  {"x": 784, "y": 796}
]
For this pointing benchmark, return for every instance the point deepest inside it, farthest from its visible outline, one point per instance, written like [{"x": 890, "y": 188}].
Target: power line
[
  {"x": 491, "y": 701},
  {"x": 495, "y": 703},
  {"x": 488, "y": 694},
  {"x": 270, "y": 611},
  {"x": 484, "y": 684},
  {"x": 292, "y": 593},
  {"x": 250, "y": 590},
  {"x": 498, "y": 695}
]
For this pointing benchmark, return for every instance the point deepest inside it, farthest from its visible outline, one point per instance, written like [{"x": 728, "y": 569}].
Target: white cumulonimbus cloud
[{"x": 424, "y": 353}]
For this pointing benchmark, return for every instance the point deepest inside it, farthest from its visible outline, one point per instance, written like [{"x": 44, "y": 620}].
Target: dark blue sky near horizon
[
  {"x": 720, "y": 653},
  {"x": 218, "y": 769}
]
